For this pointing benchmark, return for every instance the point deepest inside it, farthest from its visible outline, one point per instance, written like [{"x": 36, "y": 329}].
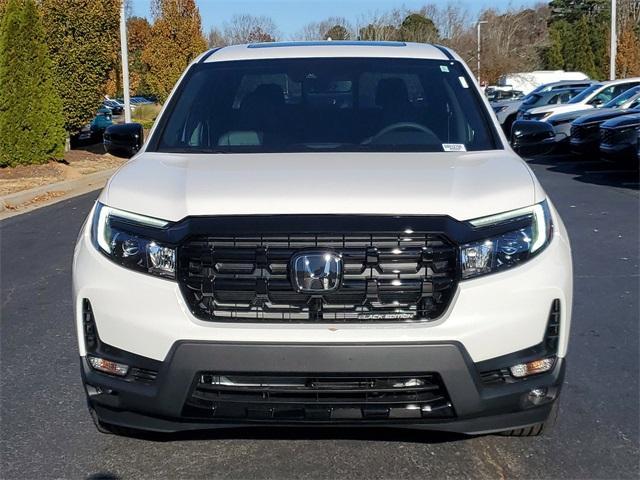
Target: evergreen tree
[
  {"x": 176, "y": 39},
  {"x": 82, "y": 36},
  {"x": 31, "y": 121},
  {"x": 554, "y": 54},
  {"x": 337, "y": 32},
  {"x": 583, "y": 58},
  {"x": 418, "y": 28}
]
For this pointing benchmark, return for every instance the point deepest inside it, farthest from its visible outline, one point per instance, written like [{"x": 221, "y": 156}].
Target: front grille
[
  {"x": 317, "y": 398},
  {"x": 607, "y": 135},
  {"x": 583, "y": 132},
  {"x": 387, "y": 277}
]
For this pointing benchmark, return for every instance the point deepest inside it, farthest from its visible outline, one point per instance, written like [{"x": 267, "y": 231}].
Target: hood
[
  {"x": 508, "y": 103},
  {"x": 601, "y": 115},
  {"x": 624, "y": 121},
  {"x": 564, "y": 117},
  {"x": 462, "y": 185},
  {"x": 557, "y": 109}
]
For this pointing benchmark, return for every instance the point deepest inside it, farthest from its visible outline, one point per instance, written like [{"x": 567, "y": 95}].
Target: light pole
[
  {"x": 480, "y": 22},
  {"x": 125, "y": 62},
  {"x": 614, "y": 42}
]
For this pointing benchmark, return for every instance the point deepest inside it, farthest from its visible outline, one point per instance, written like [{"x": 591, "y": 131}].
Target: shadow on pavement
[
  {"x": 103, "y": 476},
  {"x": 373, "y": 434},
  {"x": 592, "y": 170}
]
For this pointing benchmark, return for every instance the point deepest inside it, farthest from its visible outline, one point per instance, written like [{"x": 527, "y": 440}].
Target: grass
[{"x": 146, "y": 115}]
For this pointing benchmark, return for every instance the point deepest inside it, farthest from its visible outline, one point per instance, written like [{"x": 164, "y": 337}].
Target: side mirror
[
  {"x": 124, "y": 140},
  {"x": 530, "y": 138}
]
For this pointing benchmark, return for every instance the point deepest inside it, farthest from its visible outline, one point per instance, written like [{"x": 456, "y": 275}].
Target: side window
[
  {"x": 635, "y": 103},
  {"x": 565, "y": 97},
  {"x": 603, "y": 97}
]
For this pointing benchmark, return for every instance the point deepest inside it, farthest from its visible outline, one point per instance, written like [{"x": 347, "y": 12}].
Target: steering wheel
[{"x": 401, "y": 126}]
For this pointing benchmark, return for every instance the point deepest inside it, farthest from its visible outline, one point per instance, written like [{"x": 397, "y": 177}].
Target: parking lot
[{"x": 47, "y": 431}]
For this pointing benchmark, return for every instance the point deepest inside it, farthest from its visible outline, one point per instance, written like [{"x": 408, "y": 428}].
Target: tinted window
[
  {"x": 324, "y": 104},
  {"x": 625, "y": 96},
  {"x": 585, "y": 93}
]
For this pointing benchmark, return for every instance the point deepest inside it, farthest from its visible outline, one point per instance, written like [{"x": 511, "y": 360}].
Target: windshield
[
  {"x": 585, "y": 93},
  {"x": 325, "y": 104},
  {"x": 623, "y": 98},
  {"x": 531, "y": 99}
]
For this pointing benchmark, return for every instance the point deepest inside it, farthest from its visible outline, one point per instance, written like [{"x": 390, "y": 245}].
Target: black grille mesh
[{"x": 407, "y": 276}]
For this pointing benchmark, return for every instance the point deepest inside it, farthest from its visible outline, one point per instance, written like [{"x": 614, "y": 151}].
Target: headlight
[
  {"x": 114, "y": 234},
  {"x": 511, "y": 248}
]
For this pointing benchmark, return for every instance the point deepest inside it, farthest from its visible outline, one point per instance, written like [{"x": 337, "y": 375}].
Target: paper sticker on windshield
[
  {"x": 463, "y": 82},
  {"x": 444, "y": 68},
  {"x": 454, "y": 147}
]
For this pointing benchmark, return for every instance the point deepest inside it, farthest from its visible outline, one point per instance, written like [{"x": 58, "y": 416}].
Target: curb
[{"x": 12, "y": 204}]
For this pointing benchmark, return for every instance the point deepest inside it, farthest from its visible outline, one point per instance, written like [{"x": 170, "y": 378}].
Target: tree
[
  {"x": 337, "y": 32},
  {"x": 319, "y": 30},
  {"x": 138, "y": 34},
  {"x": 554, "y": 55},
  {"x": 249, "y": 28},
  {"x": 82, "y": 39},
  {"x": 586, "y": 22},
  {"x": 215, "y": 38},
  {"x": 418, "y": 28},
  {"x": 582, "y": 56},
  {"x": 138, "y": 37},
  {"x": 175, "y": 40},
  {"x": 628, "y": 57},
  {"x": 31, "y": 121}
]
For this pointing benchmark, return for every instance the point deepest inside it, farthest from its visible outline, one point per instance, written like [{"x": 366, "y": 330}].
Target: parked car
[
  {"x": 619, "y": 138},
  {"x": 132, "y": 105},
  {"x": 92, "y": 132},
  {"x": 387, "y": 260},
  {"x": 141, "y": 100},
  {"x": 556, "y": 96},
  {"x": 116, "y": 107},
  {"x": 596, "y": 96},
  {"x": 585, "y": 130},
  {"x": 509, "y": 111},
  {"x": 498, "y": 95}
]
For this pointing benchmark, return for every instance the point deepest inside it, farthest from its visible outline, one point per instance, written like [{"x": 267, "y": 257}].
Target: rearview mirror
[
  {"x": 530, "y": 138},
  {"x": 124, "y": 140}
]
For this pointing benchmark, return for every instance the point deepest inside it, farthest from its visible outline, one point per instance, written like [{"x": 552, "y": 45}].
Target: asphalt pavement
[{"x": 46, "y": 431}]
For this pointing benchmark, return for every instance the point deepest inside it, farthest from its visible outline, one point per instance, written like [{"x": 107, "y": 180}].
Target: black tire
[
  {"x": 508, "y": 123},
  {"x": 537, "y": 429}
]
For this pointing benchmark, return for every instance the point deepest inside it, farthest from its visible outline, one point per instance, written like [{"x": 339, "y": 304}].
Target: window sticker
[
  {"x": 463, "y": 82},
  {"x": 454, "y": 147},
  {"x": 444, "y": 68}
]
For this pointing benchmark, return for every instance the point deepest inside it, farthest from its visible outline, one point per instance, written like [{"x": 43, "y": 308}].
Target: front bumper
[
  {"x": 586, "y": 146},
  {"x": 491, "y": 316},
  {"x": 477, "y": 407}
]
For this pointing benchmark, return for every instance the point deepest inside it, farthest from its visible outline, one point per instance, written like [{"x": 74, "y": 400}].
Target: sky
[{"x": 291, "y": 15}]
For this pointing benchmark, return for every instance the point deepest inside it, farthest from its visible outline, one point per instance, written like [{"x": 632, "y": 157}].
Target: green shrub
[{"x": 31, "y": 120}]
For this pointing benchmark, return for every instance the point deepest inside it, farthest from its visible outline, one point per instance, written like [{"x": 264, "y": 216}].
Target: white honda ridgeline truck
[{"x": 324, "y": 233}]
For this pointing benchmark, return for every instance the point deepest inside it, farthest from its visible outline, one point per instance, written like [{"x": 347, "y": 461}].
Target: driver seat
[{"x": 392, "y": 96}]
